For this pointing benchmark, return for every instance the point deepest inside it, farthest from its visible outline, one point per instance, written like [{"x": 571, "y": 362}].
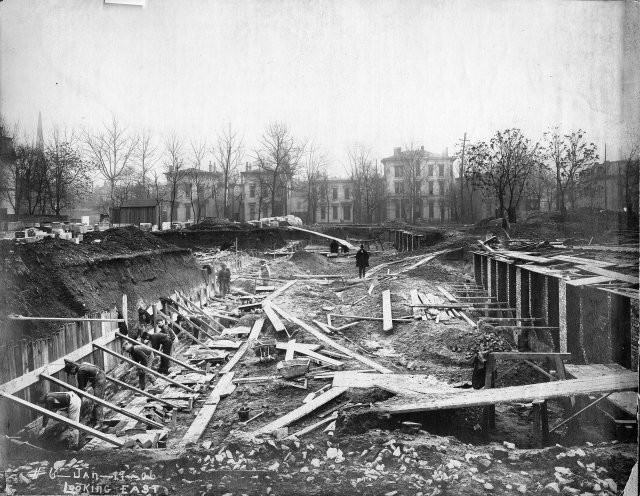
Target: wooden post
[
  {"x": 188, "y": 334},
  {"x": 387, "y": 320},
  {"x": 64, "y": 420},
  {"x": 146, "y": 369},
  {"x": 489, "y": 411},
  {"x": 141, "y": 392},
  {"x": 541, "y": 422},
  {"x": 155, "y": 318},
  {"x": 125, "y": 309},
  {"x": 95, "y": 399}
]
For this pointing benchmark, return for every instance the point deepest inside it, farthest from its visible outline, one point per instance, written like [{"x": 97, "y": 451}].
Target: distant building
[
  {"x": 431, "y": 203},
  {"x": 139, "y": 211},
  {"x": 335, "y": 204},
  {"x": 199, "y": 194},
  {"x": 607, "y": 186},
  {"x": 255, "y": 195},
  {"x": 7, "y": 191}
]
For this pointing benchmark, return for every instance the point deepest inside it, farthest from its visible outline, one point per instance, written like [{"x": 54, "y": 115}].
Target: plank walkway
[{"x": 615, "y": 382}]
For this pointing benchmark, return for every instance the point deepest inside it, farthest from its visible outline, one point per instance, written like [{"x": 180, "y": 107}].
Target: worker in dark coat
[
  {"x": 160, "y": 342},
  {"x": 334, "y": 246},
  {"x": 60, "y": 401},
  {"x": 362, "y": 261},
  {"x": 224, "y": 280},
  {"x": 89, "y": 375},
  {"x": 139, "y": 354}
]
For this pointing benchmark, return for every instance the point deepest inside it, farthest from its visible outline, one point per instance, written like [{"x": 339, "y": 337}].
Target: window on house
[
  {"x": 430, "y": 187},
  {"x": 398, "y": 210},
  {"x": 252, "y": 212},
  {"x": 252, "y": 191},
  {"x": 335, "y": 193},
  {"x": 431, "y": 210},
  {"x": 347, "y": 193},
  {"x": 346, "y": 210},
  {"x": 323, "y": 213},
  {"x": 399, "y": 171},
  {"x": 430, "y": 170},
  {"x": 441, "y": 170},
  {"x": 187, "y": 212},
  {"x": 335, "y": 212},
  {"x": 398, "y": 188},
  {"x": 187, "y": 190}
]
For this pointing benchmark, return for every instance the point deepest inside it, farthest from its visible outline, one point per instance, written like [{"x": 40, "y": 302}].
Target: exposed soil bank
[
  {"x": 248, "y": 239},
  {"x": 55, "y": 278}
]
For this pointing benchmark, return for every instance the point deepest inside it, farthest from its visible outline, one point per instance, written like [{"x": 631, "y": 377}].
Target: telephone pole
[{"x": 464, "y": 142}]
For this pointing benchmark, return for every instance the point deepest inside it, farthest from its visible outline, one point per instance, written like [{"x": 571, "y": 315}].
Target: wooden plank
[
  {"x": 415, "y": 300},
  {"x": 255, "y": 330},
  {"x": 63, "y": 319},
  {"x": 609, "y": 273},
  {"x": 279, "y": 291},
  {"x": 517, "y": 394},
  {"x": 361, "y": 317},
  {"x": 105, "y": 403},
  {"x": 583, "y": 261},
  {"x": 146, "y": 369},
  {"x": 64, "y": 420},
  {"x": 185, "y": 309},
  {"x": 159, "y": 353},
  {"x": 200, "y": 423},
  {"x": 273, "y": 317},
  {"x": 453, "y": 299},
  {"x": 387, "y": 322},
  {"x": 325, "y": 339},
  {"x": 404, "y": 384},
  {"x": 182, "y": 330},
  {"x": 326, "y": 236},
  {"x": 584, "y": 281},
  {"x": 313, "y": 427},
  {"x": 300, "y": 347},
  {"x": 54, "y": 367},
  {"x": 301, "y": 411},
  {"x": 305, "y": 350},
  {"x": 291, "y": 346},
  {"x": 140, "y": 391},
  {"x": 527, "y": 355}
]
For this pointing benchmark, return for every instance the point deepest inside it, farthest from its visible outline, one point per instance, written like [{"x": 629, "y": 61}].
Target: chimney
[
  {"x": 210, "y": 166},
  {"x": 247, "y": 166},
  {"x": 396, "y": 151}
]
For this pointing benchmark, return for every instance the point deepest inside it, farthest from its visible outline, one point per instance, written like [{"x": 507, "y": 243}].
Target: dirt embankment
[
  {"x": 225, "y": 237},
  {"x": 55, "y": 278}
]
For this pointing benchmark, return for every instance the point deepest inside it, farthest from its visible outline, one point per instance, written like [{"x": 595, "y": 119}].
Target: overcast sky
[{"x": 382, "y": 73}]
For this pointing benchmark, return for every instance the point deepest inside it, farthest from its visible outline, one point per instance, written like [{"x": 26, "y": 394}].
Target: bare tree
[
  {"x": 198, "y": 179},
  {"x": 412, "y": 160},
  {"x": 569, "y": 155},
  {"x": 146, "y": 154},
  {"x": 228, "y": 155},
  {"x": 29, "y": 178},
  {"x": 631, "y": 184},
  {"x": 67, "y": 174},
  {"x": 315, "y": 164},
  {"x": 279, "y": 157},
  {"x": 367, "y": 184},
  {"x": 111, "y": 151},
  {"x": 174, "y": 170}
]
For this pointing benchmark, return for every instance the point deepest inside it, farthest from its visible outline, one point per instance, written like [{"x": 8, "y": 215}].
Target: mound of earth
[
  {"x": 312, "y": 263},
  {"x": 130, "y": 237},
  {"x": 213, "y": 224}
]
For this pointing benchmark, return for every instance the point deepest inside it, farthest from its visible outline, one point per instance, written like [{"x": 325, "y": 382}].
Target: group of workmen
[{"x": 91, "y": 376}]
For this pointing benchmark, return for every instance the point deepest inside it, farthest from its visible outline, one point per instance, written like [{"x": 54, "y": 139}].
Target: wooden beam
[
  {"x": 360, "y": 317},
  {"x": 182, "y": 330},
  {"x": 302, "y": 350},
  {"x": 200, "y": 423},
  {"x": 64, "y": 319},
  {"x": 584, "y": 281},
  {"x": 100, "y": 401},
  {"x": 253, "y": 335},
  {"x": 64, "y": 420},
  {"x": 326, "y": 236},
  {"x": 313, "y": 427},
  {"x": 322, "y": 337},
  {"x": 273, "y": 318},
  {"x": 146, "y": 369},
  {"x": 609, "y": 273},
  {"x": 169, "y": 357},
  {"x": 204, "y": 322},
  {"x": 279, "y": 291},
  {"x": 301, "y": 411},
  {"x": 291, "y": 346},
  {"x": 387, "y": 322},
  {"x": 527, "y": 355},
  {"x": 627, "y": 381},
  {"x": 33, "y": 377},
  {"x": 453, "y": 299},
  {"x": 141, "y": 392}
]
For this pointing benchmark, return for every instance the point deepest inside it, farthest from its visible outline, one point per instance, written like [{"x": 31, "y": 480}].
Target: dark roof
[{"x": 147, "y": 202}]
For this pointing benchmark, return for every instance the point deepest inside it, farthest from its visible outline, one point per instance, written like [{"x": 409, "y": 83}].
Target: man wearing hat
[
  {"x": 362, "y": 261},
  {"x": 139, "y": 355},
  {"x": 89, "y": 375},
  {"x": 59, "y": 401},
  {"x": 160, "y": 342},
  {"x": 224, "y": 279}
]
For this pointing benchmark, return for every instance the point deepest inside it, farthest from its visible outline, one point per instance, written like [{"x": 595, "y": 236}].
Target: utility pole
[{"x": 464, "y": 142}]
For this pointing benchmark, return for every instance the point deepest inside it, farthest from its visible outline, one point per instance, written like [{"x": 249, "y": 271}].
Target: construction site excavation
[{"x": 206, "y": 362}]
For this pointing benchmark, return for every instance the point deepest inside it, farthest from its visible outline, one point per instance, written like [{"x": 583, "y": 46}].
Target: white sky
[{"x": 383, "y": 73}]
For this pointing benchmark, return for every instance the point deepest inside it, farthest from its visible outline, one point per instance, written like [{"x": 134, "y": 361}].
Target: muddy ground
[{"x": 366, "y": 453}]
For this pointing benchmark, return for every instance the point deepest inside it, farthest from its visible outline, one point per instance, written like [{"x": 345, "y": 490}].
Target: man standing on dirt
[
  {"x": 334, "y": 246},
  {"x": 89, "y": 375},
  {"x": 59, "y": 401},
  {"x": 224, "y": 280},
  {"x": 264, "y": 273},
  {"x": 160, "y": 342},
  {"x": 139, "y": 355},
  {"x": 362, "y": 261}
]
